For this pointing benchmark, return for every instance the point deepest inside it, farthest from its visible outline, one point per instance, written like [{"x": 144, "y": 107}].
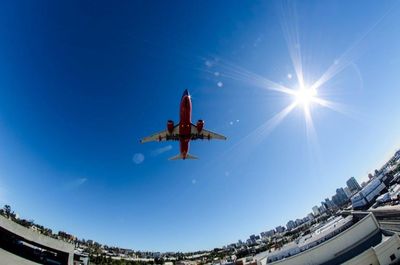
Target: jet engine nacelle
[
  {"x": 170, "y": 126},
  {"x": 200, "y": 125}
]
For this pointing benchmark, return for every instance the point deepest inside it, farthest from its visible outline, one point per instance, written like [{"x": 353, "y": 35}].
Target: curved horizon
[{"x": 306, "y": 94}]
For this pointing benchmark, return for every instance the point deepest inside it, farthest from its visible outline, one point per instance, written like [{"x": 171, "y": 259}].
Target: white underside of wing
[
  {"x": 206, "y": 134},
  {"x": 162, "y": 136}
]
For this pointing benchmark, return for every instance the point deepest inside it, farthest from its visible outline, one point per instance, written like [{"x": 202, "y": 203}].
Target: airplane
[{"x": 185, "y": 131}]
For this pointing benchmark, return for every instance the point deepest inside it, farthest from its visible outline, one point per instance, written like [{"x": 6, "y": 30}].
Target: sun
[{"x": 305, "y": 96}]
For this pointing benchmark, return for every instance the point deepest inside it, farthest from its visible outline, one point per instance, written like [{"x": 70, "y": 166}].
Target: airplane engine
[
  {"x": 170, "y": 126},
  {"x": 200, "y": 125}
]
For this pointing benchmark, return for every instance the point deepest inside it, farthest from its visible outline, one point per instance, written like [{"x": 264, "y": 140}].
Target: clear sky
[{"x": 82, "y": 81}]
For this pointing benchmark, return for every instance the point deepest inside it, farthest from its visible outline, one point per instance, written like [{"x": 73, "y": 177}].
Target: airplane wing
[
  {"x": 205, "y": 134},
  {"x": 162, "y": 136}
]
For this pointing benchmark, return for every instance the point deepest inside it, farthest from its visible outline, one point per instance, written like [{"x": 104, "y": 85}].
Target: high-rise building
[
  {"x": 315, "y": 210},
  {"x": 310, "y": 216},
  {"x": 342, "y": 196},
  {"x": 280, "y": 229},
  {"x": 298, "y": 221},
  {"x": 336, "y": 200},
  {"x": 329, "y": 204},
  {"x": 348, "y": 192},
  {"x": 323, "y": 208},
  {"x": 268, "y": 233},
  {"x": 290, "y": 225},
  {"x": 353, "y": 185},
  {"x": 397, "y": 155}
]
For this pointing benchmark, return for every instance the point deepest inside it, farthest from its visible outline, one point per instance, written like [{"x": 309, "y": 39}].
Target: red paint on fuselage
[{"x": 185, "y": 123}]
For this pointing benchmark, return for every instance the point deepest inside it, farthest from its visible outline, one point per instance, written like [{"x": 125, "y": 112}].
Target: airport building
[{"x": 342, "y": 240}]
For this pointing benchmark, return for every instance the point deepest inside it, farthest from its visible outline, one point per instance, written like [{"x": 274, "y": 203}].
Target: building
[
  {"x": 335, "y": 200},
  {"x": 322, "y": 208},
  {"x": 315, "y": 210},
  {"x": 367, "y": 195},
  {"x": 280, "y": 229},
  {"x": 298, "y": 222},
  {"x": 342, "y": 194},
  {"x": 340, "y": 197},
  {"x": 397, "y": 155},
  {"x": 353, "y": 185},
  {"x": 268, "y": 233},
  {"x": 348, "y": 192},
  {"x": 329, "y": 204},
  {"x": 343, "y": 240},
  {"x": 310, "y": 216},
  {"x": 290, "y": 225}
]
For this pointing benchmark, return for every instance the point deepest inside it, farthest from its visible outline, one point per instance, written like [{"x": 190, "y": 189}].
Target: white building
[
  {"x": 366, "y": 196},
  {"x": 340, "y": 241}
]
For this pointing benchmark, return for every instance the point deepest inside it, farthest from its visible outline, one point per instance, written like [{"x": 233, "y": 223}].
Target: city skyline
[
  {"x": 316, "y": 211},
  {"x": 83, "y": 82}
]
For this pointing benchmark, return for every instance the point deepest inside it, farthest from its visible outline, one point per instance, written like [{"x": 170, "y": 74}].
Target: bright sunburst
[{"x": 305, "y": 96}]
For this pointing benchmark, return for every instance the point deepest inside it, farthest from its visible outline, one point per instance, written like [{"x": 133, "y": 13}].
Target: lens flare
[{"x": 305, "y": 96}]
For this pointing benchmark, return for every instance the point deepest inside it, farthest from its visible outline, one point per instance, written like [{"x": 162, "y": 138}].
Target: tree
[{"x": 7, "y": 210}]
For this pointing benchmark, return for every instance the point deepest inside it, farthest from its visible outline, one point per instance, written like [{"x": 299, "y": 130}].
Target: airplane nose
[{"x": 185, "y": 93}]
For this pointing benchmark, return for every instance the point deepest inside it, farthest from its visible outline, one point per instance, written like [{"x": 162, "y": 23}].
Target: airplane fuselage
[
  {"x": 185, "y": 131},
  {"x": 185, "y": 123}
]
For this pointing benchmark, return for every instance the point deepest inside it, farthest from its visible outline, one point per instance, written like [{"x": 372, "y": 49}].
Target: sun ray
[
  {"x": 337, "y": 107},
  {"x": 239, "y": 73},
  {"x": 255, "y": 137},
  {"x": 310, "y": 129},
  {"x": 305, "y": 95},
  {"x": 272, "y": 123},
  {"x": 290, "y": 28}
]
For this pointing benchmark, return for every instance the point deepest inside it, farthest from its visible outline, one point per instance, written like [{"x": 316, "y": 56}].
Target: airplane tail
[{"x": 179, "y": 156}]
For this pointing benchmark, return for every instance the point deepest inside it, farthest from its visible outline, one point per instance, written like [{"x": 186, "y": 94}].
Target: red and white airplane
[{"x": 184, "y": 131}]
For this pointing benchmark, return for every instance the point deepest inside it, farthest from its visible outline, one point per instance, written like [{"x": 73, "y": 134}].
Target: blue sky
[{"x": 82, "y": 82}]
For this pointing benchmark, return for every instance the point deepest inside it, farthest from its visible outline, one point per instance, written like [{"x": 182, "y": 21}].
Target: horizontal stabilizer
[{"x": 179, "y": 156}]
